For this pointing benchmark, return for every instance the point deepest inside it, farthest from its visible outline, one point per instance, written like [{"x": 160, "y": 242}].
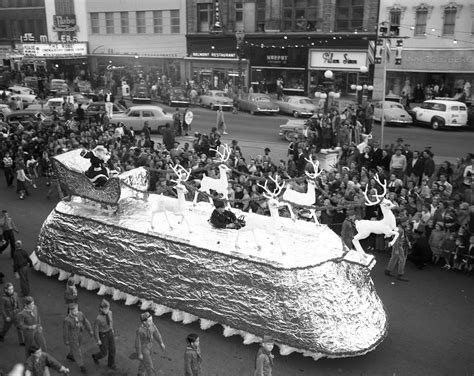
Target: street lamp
[
  {"x": 240, "y": 37},
  {"x": 328, "y": 90},
  {"x": 362, "y": 87}
]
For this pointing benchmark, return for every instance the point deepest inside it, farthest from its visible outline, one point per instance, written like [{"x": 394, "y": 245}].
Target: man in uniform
[
  {"x": 39, "y": 362},
  {"x": 10, "y": 307},
  {"x": 74, "y": 324},
  {"x": 29, "y": 322},
  {"x": 104, "y": 335},
  {"x": 143, "y": 344}
]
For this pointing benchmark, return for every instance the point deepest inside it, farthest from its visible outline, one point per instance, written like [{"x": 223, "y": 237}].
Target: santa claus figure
[{"x": 98, "y": 172}]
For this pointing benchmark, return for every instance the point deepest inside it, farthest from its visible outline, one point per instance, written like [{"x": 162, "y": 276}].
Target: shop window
[
  {"x": 204, "y": 16},
  {"x": 449, "y": 20},
  {"x": 349, "y": 15},
  {"x": 158, "y": 21},
  {"x": 95, "y": 25},
  {"x": 124, "y": 23},
  {"x": 141, "y": 22},
  {"x": 239, "y": 16},
  {"x": 174, "y": 14},
  {"x": 109, "y": 22},
  {"x": 420, "y": 21},
  {"x": 260, "y": 15},
  {"x": 300, "y": 15}
]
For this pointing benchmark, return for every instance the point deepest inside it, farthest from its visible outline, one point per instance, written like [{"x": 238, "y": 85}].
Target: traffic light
[{"x": 398, "y": 52}]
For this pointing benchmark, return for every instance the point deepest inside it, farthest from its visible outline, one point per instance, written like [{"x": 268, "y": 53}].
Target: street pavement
[{"x": 431, "y": 326}]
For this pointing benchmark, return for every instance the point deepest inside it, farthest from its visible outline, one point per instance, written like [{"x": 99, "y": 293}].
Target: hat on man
[
  {"x": 145, "y": 316},
  {"x": 104, "y": 304},
  {"x": 28, "y": 300},
  {"x": 267, "y": 149},
  {"x": 72, "y": 305},
  {"x": 32, "y": 349},
  {"x": 267, "y": 339},
  {"x": 219, "y": 204}
]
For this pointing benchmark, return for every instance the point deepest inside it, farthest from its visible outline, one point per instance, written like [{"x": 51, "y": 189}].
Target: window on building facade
[
  {"x": 64, "y": 6},
  {"x": 449, "y": 20},
  {"x": 141, "y": 22},
  {"x": 124, "y": 23},
  {"x": 260, "y": 15},
  {"x": 239, "y": 16},
  {"x": 174, "y": 15},
  {"x": 109, "y": 23},
  {"x": 158, "y": 21},
  {"x": 349, "y": 15},
  {"x": 95, "y": 26},
  {"x": 3, "y": 30},
  {"x": 204, "y": 16},
  {"x": 300, "y": 15},
  {"x": 420, "y": 21},
  {"x": 395, "y": 16}
]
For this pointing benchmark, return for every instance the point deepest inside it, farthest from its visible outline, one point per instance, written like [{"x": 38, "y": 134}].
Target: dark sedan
[
  {"x": 96, "y": 108},
  {"x": 257, "y": 104}
]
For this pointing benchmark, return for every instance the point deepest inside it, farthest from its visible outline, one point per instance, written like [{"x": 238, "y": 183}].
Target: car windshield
[
  {"x": 305, "y": 101},
  {"x": 177, "y": 91},
  {"x": 220, "y": 95},
  {"x": 261, "y": 99},
  {"x": 119, "y": 107},
  {"x": 395, "y": 105}
]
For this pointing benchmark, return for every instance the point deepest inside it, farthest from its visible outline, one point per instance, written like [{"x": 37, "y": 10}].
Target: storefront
[
  {"x": 450, "y": 70},
  {"x": 346, "y": 67}
]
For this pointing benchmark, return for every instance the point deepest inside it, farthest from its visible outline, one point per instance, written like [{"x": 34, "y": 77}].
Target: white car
[
  {"x": 215, "y": 98},
  {"x": 297, "y": 106},
  {"x": 136, "y": 116},
  {"x": 394, "y": 113},
  {"x": 439, "y": 113},
  {"x": 26, "y": 94}
]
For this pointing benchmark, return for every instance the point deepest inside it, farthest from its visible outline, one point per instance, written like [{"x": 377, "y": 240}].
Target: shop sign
[
  {"x": 222, "y": 55},
  {"x": 438, "y": 60},
  {"x": 66, "y": 22},
  {"x": 337, "y": 59},
  {"x": 54, "y": 49},
  {"x": 5, "y": 51},
  {"x": 277, "y": 59},
  {"x": 29, "y": 37}
]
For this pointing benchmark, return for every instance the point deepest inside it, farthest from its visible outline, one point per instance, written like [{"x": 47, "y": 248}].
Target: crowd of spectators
[{"x": 432, "y": 201}]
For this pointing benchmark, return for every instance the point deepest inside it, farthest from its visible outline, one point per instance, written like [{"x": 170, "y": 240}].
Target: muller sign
[{"x": 337, "y": 59}]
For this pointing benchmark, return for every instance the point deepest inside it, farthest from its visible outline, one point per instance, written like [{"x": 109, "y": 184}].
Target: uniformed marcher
[
  {"x": 10, "y": 307},
  {"x": 104, "y": 335},
  {"x": 39, "y": 362},
  {"x": 74, "y": 324},
  {"x": 29, "y": 322},
  {"x": 143, "y": 344}
]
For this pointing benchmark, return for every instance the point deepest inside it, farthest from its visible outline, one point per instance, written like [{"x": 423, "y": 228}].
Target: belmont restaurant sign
[
  {"x": 220, "y": 55},
  {"x": 337, "y": 59}
]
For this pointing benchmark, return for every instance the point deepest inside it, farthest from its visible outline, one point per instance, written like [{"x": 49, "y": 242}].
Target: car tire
[
  {"x": 436, "y": 124},
  {"x": 211, "y": 106},
  {"x": 252, "y": 112},
  {"x": 295, "y": 114},
  {"x": 289, "y": 135}
]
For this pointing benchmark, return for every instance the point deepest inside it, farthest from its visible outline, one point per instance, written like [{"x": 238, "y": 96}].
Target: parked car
[
  {"x": 141, "y": 94},
  {"x": 136, "y": 116},
  {"x": 26, "y": 94},
  {"x": 95, "y": 108},
  {"x": 26, "y": 116},
  {"x": 175, "y": 96},
  {"x": 439, "y": 113},
  {"x": 215, "y": 98},
  {"x": 51, "y": 105},
  {"x": 58, "y": 86},
  {"x": 394, "y": 113},
  {"x": 293, "y": 128},
  {"x": 31, "y": 82},
  {"x": 81, "y": 99},
  {"x": 257, "y": 103},
  {"x": 4, "y": 111},
  {"x": 296, "y": 106}
]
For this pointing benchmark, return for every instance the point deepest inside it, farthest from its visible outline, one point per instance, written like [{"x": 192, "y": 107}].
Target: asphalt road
[
  {"x": 431, "y": 327},
  {"x": 256, "y": 132}
]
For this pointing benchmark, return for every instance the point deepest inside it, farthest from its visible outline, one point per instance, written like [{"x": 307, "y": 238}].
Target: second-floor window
[
  {"x": 174, "y": 18},
  {"x": 158, "y": 21},
  {"x": 124, "y": 23},
  {"x": 449, "y": 20},
  {"x": 141, "y": 23},
  {"x": 204, "y": 16},
  {"x": 109, "y": 22},
  {"x": 395, "y": 15},
  {"x": 260, "y": 15},
  {"x": 239, "y": 16},
  {"x": 349, "y": 15},
  {"x": 95, "y": 27},
  {"x": 300, "y": 15},
  {"x": 420, "y": 21}
]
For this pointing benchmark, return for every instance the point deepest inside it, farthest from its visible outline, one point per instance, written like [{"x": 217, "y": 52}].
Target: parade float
[{"x": 284, "y": 277}]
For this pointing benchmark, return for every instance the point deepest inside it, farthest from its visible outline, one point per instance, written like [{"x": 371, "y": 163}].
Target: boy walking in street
[
  {"x": 9, "y": 228},
  {"x": 192, "y": 356},
  {"x": 10, "y": 307},
  {"x": 21, "y": 264},
  {"x": 39, "y": 362},
  {"x": 146, "y": 333},
  {"x": 104, "y": 335},
  {"x": 29, "y": 322}
]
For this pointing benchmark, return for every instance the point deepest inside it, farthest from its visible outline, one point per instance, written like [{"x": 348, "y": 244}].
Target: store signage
[
  {"x": 277, "y": 59},
  {"x": 222, "y": 55},
  {"x": 441, "y": 60},
  {"x": 54, "y": 49},
  {"x": 337, "y": 59},
  {"x": 29, "y": 37},
  {"x": 64, "y": 23}
]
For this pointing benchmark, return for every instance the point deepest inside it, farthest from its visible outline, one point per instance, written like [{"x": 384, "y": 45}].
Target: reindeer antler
[
  {"x": 181, "y": 173},
  {"x": 272, "y": 194},
  {"x": 378, "y": 197},
  {"x": 224, "y": 157},
  {"x": 315, "y": 167}
]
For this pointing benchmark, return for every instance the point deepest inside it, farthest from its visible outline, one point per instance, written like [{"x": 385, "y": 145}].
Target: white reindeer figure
[
  {"x": 177, "y": 208},
  {"x": 307, "y": 198},
  {"x": 386, "y": 226},
  {"x": 365, "y": 142},
  {"x": 253, "y": 222},
  {"x": 219, "y": 185}
]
